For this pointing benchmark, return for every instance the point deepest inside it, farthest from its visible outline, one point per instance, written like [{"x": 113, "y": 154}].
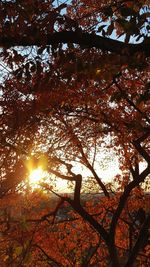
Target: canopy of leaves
[{"x": 74, "y": 84}]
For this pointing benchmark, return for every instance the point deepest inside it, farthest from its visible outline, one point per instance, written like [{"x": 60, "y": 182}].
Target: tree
[
  {"x": 69, "y": 88},
  {"x": 33, "y": 233}
]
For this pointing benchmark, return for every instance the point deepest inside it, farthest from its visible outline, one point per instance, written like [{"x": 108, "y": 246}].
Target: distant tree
[{"x": 70, "y": 88}]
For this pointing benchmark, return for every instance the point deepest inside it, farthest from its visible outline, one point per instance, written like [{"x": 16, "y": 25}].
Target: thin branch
[
  {"x": 47, "y": 256},
  {"x": 78, "y": 144},
  {"x": 131, "y": 103},
  {"x": 90, "y": 255}
]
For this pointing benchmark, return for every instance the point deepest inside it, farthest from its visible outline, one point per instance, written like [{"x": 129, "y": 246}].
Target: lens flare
[{"x": 36, "y": 176}]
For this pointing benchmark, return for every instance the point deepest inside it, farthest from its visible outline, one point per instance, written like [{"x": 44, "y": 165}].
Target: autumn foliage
[{"x": 74, "y": 99}]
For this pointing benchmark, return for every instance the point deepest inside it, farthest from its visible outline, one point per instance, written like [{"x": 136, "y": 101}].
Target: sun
[{"x": 36, "y": 176}]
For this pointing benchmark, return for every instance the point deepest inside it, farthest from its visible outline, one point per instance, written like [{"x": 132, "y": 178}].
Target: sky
[{"x": 107, "y": 167}]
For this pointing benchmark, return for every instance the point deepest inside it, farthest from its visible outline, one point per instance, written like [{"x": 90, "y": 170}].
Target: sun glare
[{"x": 36, "y": 176}]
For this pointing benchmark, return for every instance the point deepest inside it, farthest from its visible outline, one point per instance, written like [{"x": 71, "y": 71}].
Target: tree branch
[
  {"x": 78, "y": 184},
  {"x": 49, "y": 258},
  {"x": 140, "y": 149},
  {"x": 124, "y": 198},
  {"x": 78, "y": 144},
  {"x": 130, "y": 102},
  {"x": 89, "y": 218},
  {"x": 77, "y": 37},
  {"x": 141, "y": 241}
]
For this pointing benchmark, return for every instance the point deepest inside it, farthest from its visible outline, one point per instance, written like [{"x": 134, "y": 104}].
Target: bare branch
[{"x": 76, "y": 37}]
